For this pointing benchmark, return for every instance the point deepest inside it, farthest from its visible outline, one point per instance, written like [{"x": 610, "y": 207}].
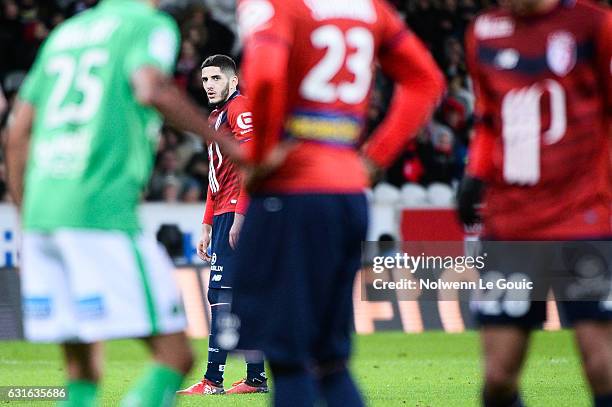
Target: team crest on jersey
[
  {"x": 507, "y": 58},
  {"x": 561, "y": 52}
]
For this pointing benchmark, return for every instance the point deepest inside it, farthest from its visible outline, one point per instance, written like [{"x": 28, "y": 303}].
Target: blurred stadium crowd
[{"x": 436, "y": 156}]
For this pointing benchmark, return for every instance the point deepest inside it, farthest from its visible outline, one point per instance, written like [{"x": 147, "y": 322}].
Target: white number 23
[{"x": 317, "y": 85}]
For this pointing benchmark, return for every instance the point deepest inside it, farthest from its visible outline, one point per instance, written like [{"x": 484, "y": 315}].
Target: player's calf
[
  {"x": 595, "y": 344},
  {"x": 173, "y": 359},
  {"x": 336, "y": 385},
  {"x": 504, "y": 350},
  {"x": 84, "y": 365}
]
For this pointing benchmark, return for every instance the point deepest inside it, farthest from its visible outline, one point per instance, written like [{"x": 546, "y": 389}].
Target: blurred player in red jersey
[
  {"x": 226, "y": 203},
  {"x": 308, "y": 70},
  {"x": 543, "y": 82}
]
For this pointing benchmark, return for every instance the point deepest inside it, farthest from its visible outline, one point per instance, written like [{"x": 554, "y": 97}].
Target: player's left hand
[
  {"x": 235, "y": 230},
  {"x": 374, "y": 171},
  {"x": 231, "y": 148},
  {"x": 469, "y": 198}
]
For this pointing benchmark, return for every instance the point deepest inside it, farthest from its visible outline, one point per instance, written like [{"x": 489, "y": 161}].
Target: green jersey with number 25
[{"x": 92, "y": 146}]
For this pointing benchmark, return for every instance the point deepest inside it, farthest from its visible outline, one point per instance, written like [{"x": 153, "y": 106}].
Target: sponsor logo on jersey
[
  {"x": 487, "y": 27},
  {"x": 561, "y": 52},
  {"x": 245, "y": 122},
  {"x": 213, "y": 259},
  {"x": 507, "y": 58},
  {"x": 339, "y": 130},
  {"x": 216, "y": 278},
  {"x": 65, "y": 156}
]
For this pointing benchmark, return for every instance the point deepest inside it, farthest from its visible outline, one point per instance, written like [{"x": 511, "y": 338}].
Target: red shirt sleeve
[
  {"x": 240, "y": 119},
  {"x": 267, "y": 35},
  {"x": 604, "y": 60},
  {"x": 209, "y": 209},
  {"x": 419, "y": 85},
  {"x": 480, "y": 164}
]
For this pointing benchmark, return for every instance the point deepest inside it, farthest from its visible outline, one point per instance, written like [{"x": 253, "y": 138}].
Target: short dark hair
[{"x": 223, "y": 62}]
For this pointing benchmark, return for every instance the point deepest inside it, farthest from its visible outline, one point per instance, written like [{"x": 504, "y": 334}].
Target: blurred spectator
[
  {"x": 192, "y": 192},
  {"x": 171, "y": 189},
  {"x": 197, "y": 169},
  {"x": 208, "y": 35},
  {"x": 437, "y": 154}
]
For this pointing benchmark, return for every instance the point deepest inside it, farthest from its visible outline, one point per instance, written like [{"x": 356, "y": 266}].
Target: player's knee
[
  {"x": 500, "y": 378},
  {"x": 326, "y": 369},
  {"x": 287, "y": 369},
  {"x": 598, "y": 368},
  {"x": 179, "y": 356},
  {"x": 186, "y": 360}
]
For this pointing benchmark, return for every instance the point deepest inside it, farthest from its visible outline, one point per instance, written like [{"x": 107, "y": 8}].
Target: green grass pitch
[{"x": 393, "y": 369}]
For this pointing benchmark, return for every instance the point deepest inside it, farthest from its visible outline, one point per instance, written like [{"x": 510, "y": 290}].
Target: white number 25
[
  {"x": 75, "y": 74},
  {"x": 317, "y": 85}
]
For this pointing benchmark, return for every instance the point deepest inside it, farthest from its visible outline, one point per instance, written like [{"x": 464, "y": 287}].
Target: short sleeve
[
  {"x": 30, "y": 89},
  {"x": 240, "y": 119},
  {"x": 155, "y": 43},
  {"x": 604, "y": 56}
]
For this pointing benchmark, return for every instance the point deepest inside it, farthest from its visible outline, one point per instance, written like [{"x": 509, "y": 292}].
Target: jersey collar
[{"x": 232, "y": 96}]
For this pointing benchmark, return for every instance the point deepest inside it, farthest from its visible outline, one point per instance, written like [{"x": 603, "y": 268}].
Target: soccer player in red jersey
[
  {"x": 226, "y": 203},
  {"x": 543, "y": 83},
  {"x": 308, "y": 69}
]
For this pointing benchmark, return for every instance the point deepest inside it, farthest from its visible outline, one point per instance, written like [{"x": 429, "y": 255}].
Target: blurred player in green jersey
[{"x": 80, "y": 152}]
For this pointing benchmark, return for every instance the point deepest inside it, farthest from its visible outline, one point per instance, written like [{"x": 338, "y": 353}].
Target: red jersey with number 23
[
  {"x": 544, "y": 101},
  {"x": 225, "y": 189},
  {"x": 308, "y": 69}
]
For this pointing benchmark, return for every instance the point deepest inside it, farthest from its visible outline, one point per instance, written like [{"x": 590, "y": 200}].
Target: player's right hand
[
  {"x": 203, "y": 245},
  {"x": 469, "y": 198}
]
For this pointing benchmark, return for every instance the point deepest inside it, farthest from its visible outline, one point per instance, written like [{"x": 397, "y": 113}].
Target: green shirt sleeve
[
  {"x": 155, "y": 43},
  {"x": 30, "y": 89}
]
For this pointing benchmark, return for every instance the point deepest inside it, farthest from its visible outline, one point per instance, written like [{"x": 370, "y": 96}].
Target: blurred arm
[
  {"x": 153, "y": 88},
  {"x": 17, "y": 146},
  {"x": 419, "y": 85}
]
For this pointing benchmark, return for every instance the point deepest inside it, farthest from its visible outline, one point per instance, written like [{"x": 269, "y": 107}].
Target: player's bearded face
[{"x": 216, "y": 85}]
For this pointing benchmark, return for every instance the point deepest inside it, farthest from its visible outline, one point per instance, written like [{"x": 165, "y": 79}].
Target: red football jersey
[
  {"x": 544, "y": 99},
  {"x": 308, "y": 70},
  {"x": 225, "y": 189}
]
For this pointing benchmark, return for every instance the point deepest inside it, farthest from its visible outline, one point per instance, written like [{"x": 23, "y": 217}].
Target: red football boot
[
  {"x": 244, "y": 387},
  {"x": 202, "y": 388}
]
